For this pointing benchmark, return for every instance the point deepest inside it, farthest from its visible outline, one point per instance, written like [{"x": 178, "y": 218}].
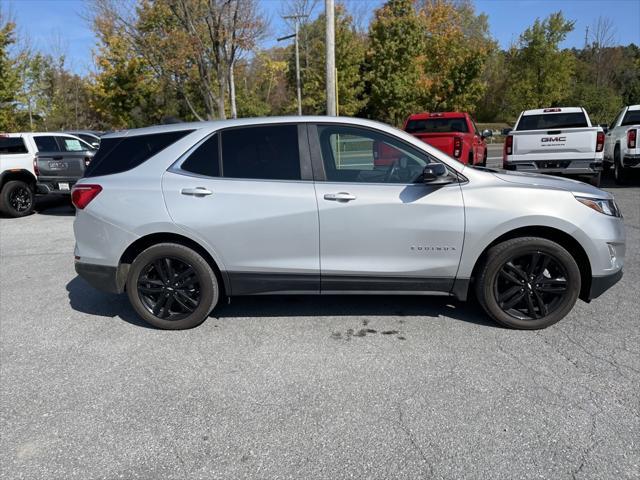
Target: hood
[{"x": 556, "y": 183}]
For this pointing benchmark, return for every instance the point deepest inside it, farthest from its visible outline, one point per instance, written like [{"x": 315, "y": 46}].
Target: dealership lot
[{"x": 306, "y": 387}]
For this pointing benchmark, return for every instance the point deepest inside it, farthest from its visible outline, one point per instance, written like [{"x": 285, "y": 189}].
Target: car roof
[
  {"x": 634, "y": 107},
  {"x": 50, "y": 134},
  {"x": 426, "y": 115},
  {"x": 550, "y": 110},
  {"x": 241, "y": 122}
]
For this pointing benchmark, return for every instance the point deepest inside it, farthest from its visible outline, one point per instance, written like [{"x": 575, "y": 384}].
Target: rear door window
[
  {"x": 120, "y": 154},
  {"x": 46, "y": 143},
  {"x": 261, "y": 152},
  {"x": 204, "y": 160},
  {"x": 12, "y": 145},
  {"x": 551, "y": 121}
]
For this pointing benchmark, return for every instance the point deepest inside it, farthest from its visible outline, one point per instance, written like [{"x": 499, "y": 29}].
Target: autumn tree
[
  {"x": 539, "y": 72},
  {"x": 457, "y": 45},
  {"x": 394, "y": 61}
]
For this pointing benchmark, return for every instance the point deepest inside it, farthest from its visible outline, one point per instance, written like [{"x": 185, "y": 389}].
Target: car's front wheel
[
  {"x": 528, "y": 283},
  {"x": 172, "y": 287}
]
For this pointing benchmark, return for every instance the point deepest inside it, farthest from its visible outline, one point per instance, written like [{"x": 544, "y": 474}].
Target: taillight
[
  {"x": 36, "y": 169},
  {"x": 600, "y": 142},
  {"x": 81, "y": 195},
  {"x": 457, "y": 147},
  {"x": 631, "y": 138}
]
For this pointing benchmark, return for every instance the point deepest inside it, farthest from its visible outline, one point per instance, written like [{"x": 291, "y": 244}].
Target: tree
[
  {"x": 9, "y": 79},
  {"x": 349, "y": 51},
  {"x": 539, "y": 72},
  {"x": 457, "y": 45},
  {"x": 393, "y": 61}
]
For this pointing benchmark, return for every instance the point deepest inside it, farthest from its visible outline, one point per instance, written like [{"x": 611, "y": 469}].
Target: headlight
[{"x": 602, "y": 205}]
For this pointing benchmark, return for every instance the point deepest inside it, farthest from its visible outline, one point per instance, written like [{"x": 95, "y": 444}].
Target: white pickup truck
[
  {"x": 621, "y": 147},
  {"x": 558, "y": 141},
  {"x": 42, "y": 163}
]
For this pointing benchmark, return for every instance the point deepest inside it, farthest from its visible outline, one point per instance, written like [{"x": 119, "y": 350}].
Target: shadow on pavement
[
  {"x": 57, "y": 205},
  {"x": 84, "y": 298}
]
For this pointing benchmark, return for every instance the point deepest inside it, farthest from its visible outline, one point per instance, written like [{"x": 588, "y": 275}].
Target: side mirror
[
  {"x": 506, "y": 131},
  {"x": 433, "y": 172},
  {"x": 604, "y": 127},
  {"x": 487, "y": 133}
]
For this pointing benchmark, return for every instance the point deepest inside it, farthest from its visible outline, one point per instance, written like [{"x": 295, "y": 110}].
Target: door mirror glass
[
  {"x": 604, "y": 127},
  {"x": 506, "y": 131},
  {"x": 487, "y": 133}
]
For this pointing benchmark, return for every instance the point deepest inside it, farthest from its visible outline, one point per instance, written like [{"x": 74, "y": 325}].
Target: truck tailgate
[
  {"x": 441, "y": 141},
  {"x": 569, "y": 143},
  {"x": 57, "y": 165}
]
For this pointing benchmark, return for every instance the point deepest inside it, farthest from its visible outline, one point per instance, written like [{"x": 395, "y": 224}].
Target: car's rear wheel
[
  {"x": 596, "y": 180},
  {"x": 16, "y": 199},
  {"x": 528, "y": 283},
  {"x": 172, "y": 287},
  {"x": 619, "y": 172},
  {"x": 484, "y": 159}
]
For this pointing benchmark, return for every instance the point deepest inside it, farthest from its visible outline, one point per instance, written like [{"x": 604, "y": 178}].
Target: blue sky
[{"x": 57, "y": 25}]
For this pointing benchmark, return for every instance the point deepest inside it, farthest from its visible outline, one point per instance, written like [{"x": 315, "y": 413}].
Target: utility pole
[
  {"x": 330, "y": 42},
  {"x": 296, "y": 20}
]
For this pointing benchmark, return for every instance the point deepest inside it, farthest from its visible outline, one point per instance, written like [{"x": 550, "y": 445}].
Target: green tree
[
  {"x": 349, "y": 53},
  {"x": 539, "y": 72},
  {"x": 393, "y": 61},
  {"x": 9, "y": 78}
]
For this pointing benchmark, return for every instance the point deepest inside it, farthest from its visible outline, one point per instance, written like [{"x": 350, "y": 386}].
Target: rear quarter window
[
  {"x": 120, "y": 154},
  {"x": 550, "y": 121},
  {"x": 12, "y": 145}
]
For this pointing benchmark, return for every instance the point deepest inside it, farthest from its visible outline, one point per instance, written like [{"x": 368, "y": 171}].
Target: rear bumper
[
  {"x": 46, "y": 186},
  {"x": 599, "y": 285},
  {"x": 102, "y": 277},
  {"x": 564, "y": 167},
  {"x": 631, "y": 160}
]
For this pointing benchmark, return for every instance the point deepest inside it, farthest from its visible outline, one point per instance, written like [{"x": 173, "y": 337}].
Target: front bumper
[
  {"x": 102, "y": 277},
  {"x": 599, "y": 285},
  {"x": 632, "y": 161},
  {"x": 563, "y": 167}
]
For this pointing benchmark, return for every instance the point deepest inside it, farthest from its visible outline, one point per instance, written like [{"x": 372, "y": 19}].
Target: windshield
[
  {"x": 437, "y": 125},
  {"x": 550, "y": 121}
]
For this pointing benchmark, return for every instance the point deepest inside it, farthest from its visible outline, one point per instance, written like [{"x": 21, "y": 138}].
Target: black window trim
[
  {"x": 304, "y": 154},
  {"x": 319, "y": 172}
]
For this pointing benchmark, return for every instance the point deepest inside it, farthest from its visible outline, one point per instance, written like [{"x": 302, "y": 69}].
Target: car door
[
  {"x": 611, "y": 135},
  {"x": 380, "y": 228},
  {"x": 478, "y": 144},
  {"x": 247, "y": 193}
]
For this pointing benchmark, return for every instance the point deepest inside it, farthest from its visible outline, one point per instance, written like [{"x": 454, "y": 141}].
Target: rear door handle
[
  {"x": 339, "y": 197},
  {"x": 196, "y": 192}
]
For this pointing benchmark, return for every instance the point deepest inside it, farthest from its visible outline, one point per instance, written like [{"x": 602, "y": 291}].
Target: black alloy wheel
[
  {"x": 16, "y": 199},
  {"x": 169, "y": 288},
  {"x": 528, "y": 282},
  {"x": 531, "y": 286}
]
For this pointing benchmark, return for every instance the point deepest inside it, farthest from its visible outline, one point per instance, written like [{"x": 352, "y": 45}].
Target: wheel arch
[
  {"x": 565, "y": 240},
  {"x": 146, "y": 241},
  {"x": 18, "y": 174}
]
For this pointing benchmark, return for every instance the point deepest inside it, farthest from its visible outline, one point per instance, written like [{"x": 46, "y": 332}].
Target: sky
[{"x": 55, "y": 26}]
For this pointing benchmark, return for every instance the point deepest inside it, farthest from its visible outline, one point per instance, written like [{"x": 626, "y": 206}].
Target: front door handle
[
  {"x": 339, "y": 197},
  {"x": 196, "y": 192}
]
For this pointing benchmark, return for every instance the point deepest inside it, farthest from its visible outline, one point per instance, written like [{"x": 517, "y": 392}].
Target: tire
[
  {"x": 470, "y": 161},
  {"x": 619, "y": 172},
  {"x": 596, "y": 180},
  {"x": 556, "y": 284},
  {"x": 484, "y": 159},
  {"x": 17, "y": 199},
  {"x": 176, "y": 308}
]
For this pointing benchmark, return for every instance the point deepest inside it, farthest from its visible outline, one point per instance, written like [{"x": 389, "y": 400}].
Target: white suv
[
  {"x": 180, "y": 215},
  {"x": 41, "y": 163}
]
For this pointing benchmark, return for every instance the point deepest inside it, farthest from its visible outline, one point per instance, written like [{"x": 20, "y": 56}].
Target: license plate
[
  {"x": 57, "y": 166},
  {"x": 63, "y": 186}
]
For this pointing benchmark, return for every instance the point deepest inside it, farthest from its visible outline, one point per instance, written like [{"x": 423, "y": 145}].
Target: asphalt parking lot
[{"x": 306, "y": 387}]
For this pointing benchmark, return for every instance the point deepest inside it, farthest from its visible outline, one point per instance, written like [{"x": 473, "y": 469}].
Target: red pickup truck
[{"x": 454, "y": 133}]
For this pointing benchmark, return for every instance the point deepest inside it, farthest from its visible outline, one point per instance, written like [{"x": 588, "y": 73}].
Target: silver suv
[{"x": 180, "y": 216}]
